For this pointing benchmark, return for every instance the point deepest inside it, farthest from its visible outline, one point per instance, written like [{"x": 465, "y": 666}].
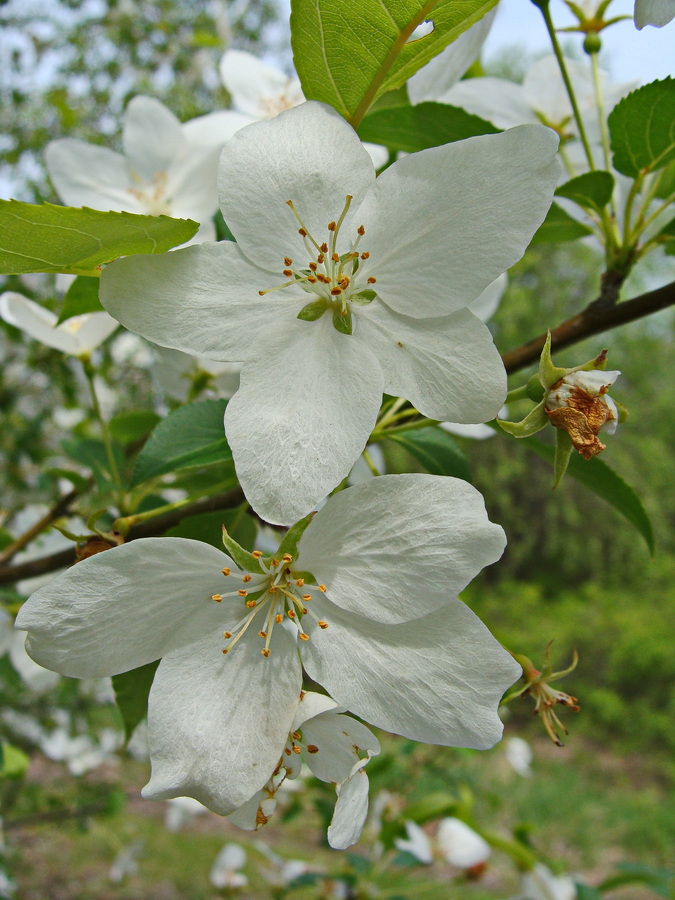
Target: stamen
[
  {"x": 287, "y": 273},
  {"x": 306, "y": 597},
  {"x": 361, "y": 230},
  {"x": 303, "y": 229},
  {"x": 335, "y": 257},
  {"x": 322, "y": 624},
  {"x": 262, "y": 634},
  {"x": 313, "y": 266},
  {"x": 291, "y": 614},
  {"x": 217, "y": 597},
  {"x": 246, "y": 578},
  {"x": 278, "y": 618},
  {"x": 287, "y": 558},
  {"x": 336, "y": 291},
  {"x": 303, "y": 636},
  {"x": 225, "y": 571},
  {"x": 300, "y": 582},
  {"x": 257, "y": 553},
  {"x": 279, "y": 287},
  {"x": 322, "y": 588},
  {"x": 265, "y": 652},
  {"x": 332, "y": 226},
  {"x": 287, "y": 262},
  {"x": 251, "y": 603},
  {"x": 371, "y": 280},
  {"x": 242, "y": 593},
  {"x": 365, "y": 255},
  {"x": 324, "y": 248},
  {"x": 227, "y": 635}
]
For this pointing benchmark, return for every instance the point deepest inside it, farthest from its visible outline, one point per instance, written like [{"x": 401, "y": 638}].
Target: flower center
[
  {"x": 270, "y": 597},
  {"x": 335, "y": 279},
  {"x": 152, "y": 195}
]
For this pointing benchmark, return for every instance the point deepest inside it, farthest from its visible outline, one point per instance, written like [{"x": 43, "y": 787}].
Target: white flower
[
  {"x": 653, "y": 12},
  {"x": 377, "y": 624},
  {"x": 418, "y": 843},
  {"x": 518, "y": 754},
  {"x": 126, "y": 862},
  {"x": 438, "y": 76},
  {"x": 225, "y": 869},
  {"x": 404, "y": 256},
  {"x": 330, "y": 745},
  {"x": 285, "y": 870},
  {"x": 78, "y": 336},
  {"x": 541, "y": 884},
  {"x": 541, "y": 98},
  {"x": 167, "y": 168},
  {"x": 579, "y": 404},
  {"x": 80, "y": 753},
  {"x": 262, "y": 92},
  {"x": 460, "y": 845}
]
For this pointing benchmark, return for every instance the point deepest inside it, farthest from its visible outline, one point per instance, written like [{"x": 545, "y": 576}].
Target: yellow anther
[
  {"x": 217, "y": 597},
  {"x": 278, "y": 618},
  {"x": 361, "y": 230},
  {"x": 365, "y": 255},
  {"x": 227, "y": 635},
  {"x": 300, "y": 582},
  {"x": 272, "y": 590},
  {"x": 331, "y": 227},
  {"x": 320, "y": 258},
  {"x": 371, "y": 280},
  {"x": 275, "y": 562},
  {"x": 262, "y": 634},
  {"x": 324, "y": 248},
  {"x": 336, "y": 291},
  {"x": 295, "y": 748},
  {"x": 312, "y": 266},
  {"x": 251, "y": 603},
  {"x": 226, "y": 650},
  {"x": 246, "y": 578},
  {"x": 304, "y": 610},
  {"x": 287, "y": 751},
  {"x": 335, "y": 257},
  {"x": 322, "y": 624},
  {"x": 303, "y": 636},
  {"x": 302, "y": 232},
  {"x": 256, "y": 554},
  {"x": 287, "y": 558},
  {"x": 295, "y": 735},
  {"x": 312, "y": 279},
  {"x": 242, "y": 592},
  {"x": 287, "y": 272},
  {"x": 306, "y": 597},
  {"x": 322, "y": 587},
  {"x": 265, "y": 652},
  {"x": 287, "y": 262},
  {"x": 291, "y": 613},
  {"x": 225, "y": 571}
]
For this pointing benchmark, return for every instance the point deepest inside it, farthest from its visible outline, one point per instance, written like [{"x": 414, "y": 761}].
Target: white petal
[
  {"x": 417, "y": 843},
  {"x": 38, "y": 322},
  {"x": 301, "y": 417},
  {"x": 89, "y": 330},
  {"x": 448, "y": 366},
  {"x": 35, "y": 676},
  {"x": 214, "y": 129},
  {"x": 438, "y": 679},
  {"x": 486, "y": 304},
  {"x": 218, "y": 724},
  {"x": 87, "y": 175},
  {"x": 437, "y": 236},
  {"x": 541, "y": 884},
  {"x": 311, "y": 704},
  {"x": 397, "y": 547},
  {"x": 246, "y": 816},
  {"x": 308, "y": 155},
  {"x": 499, "y": 101},
  {"x": 444, "y": 70},
  {"x": 350, "y": 811},
  {"x": 124, "y": 607},
  {"x": 519, "y": 755},
  {"x": 202, "y": 300},
  {"x": 460, "y": 845},
  {"x": 653, "y": 12},
  {"x": 336, "y": 739},
  {"x": 224, "y": 872},
  {"x": 256, "y": 88},
  {"x": 152, "y": 137},
  {"x": 475, "y": 432},
  {"x": 544, "y": 88}
]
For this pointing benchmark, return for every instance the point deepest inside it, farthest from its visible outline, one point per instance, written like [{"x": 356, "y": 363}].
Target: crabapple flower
[
  {"x": 78, "y": 336},
  {"x": 259, "y": 91},
  {"x": 518, "y": 755},
  {"x": 225, "y": 871},
  {"x": 167, "y": 168},
  {"x": 580, "y": 405},
  {"x": 542, "y": 97},
  {"x": 461, "y": 846},
  {"x": 329, "y": 744},
  {"x": 368, "y": 594},
  {"x": 342, "y": 286},
  {"x": 653, "y": 12},
  {"x": 541, "y": 884}
]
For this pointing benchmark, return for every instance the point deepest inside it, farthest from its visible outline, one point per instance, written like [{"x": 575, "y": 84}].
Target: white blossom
[
  {"x": 541, "y": 884},
  {"x": 77, "y": 336},
  {"x": 460, "y": 845},
  {"x": 518, "y": 754},
  {"x": 180, "y": 811},
  {"x": 226, "y": 869},
  {"x": 369, "y": 596},
  {"x": 167, "y": 168},
  {"x": 653, "y": 12},
  {"x": 405, "y": 254}
]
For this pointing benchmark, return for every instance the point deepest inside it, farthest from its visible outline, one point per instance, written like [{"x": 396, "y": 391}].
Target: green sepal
[
  {"x": 533, "y": 422},
  {"x": 342, "y": 321},
  {"x": 313, "y": 311},
  {"x": 363, "y": 298},
  {"x": 534, "y": 389},
  {"x": 289, "y": 544},
  {"x": 245, "y": 560},
  {"x": 622, "y": 412},
  {"x": 563, "y": 451},
  {"x": 598, "y": 362},
  {"x": 548, "y": 373}
]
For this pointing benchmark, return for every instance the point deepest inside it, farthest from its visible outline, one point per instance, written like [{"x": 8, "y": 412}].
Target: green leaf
[
  {"x": 666, "y": 181},
  {"x": 593, "y": 190},
  {"x": 667, "y": 235},
  {"x": 191, "y": 436},
  {"x": 436, "y": 450},
  {"x": 131, "y": 695},
  {"x": 132, "y": 426},
  {"x": 642, "y": 128},
  {"x": 413, "y": 128},
  {"x": 597, "y": 475},
  {"x": 348, "y": 54},
  {"x": 81, "y": 297},
  {"x": 559, "y": 226},
  {"x": 584, "y": 892},
  {"x": 92, "y": 454},
  {"x": 13, "y": 762},
  {"x": 208, "y": 527},
  {"x": 52, "y": 238}
]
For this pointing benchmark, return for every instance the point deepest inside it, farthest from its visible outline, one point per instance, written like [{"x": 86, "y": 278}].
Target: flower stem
[
  {"x": 370, "y": 463},
  {"x": 127, "y": 522},
  {"x": 90, "y": 373}
]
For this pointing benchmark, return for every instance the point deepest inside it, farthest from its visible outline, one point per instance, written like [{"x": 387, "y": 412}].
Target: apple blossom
[
  {"x": 368, "y": 595},
  {"x": 330, "y": 745},
  {"x": 167, "y": 168},
  {"x": 457, "y": 843},
  {"x": 381, "y": 308},
  {"x": 78, "y": 336},
  {"x": 653, "y": 12},
  {"x": 225, "y": 871}
]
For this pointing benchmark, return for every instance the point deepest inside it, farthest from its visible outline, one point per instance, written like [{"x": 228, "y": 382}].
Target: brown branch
[
  {"x": 149, "y": 528},
  {"x": 60, "y": 508},
  {"x": 596, "y": 318}
]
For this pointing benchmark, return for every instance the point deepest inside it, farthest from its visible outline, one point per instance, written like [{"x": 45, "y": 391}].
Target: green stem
[
  {"x": 123, "y": 525},
  {"x": 380, "y": 433},
  {"x": 604, "y": 132},
  {"x": 370, "y": 463},
  {"x": 644, "y": 223},
  {"x": 630, "y": 200},
  {"x": 568, "y": 84},
  {"x": 519, "y": 393},
  {"x": 90, "y": 373}
]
